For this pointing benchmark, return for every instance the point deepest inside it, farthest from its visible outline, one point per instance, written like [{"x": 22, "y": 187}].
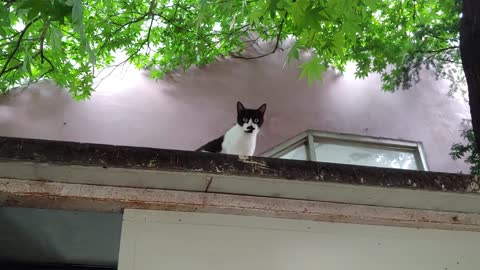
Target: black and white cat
[{"x": 241, "y": 139}]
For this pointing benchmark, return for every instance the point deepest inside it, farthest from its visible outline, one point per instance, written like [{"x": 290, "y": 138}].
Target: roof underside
[
  {"x": 53, "y": 175},
  {"x": 70, "y": 162}
]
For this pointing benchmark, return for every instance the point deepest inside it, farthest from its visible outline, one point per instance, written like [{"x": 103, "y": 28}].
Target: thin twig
[
  {"x": 122, "y": 26},
  {"x": 277, "y": 43},
  {"x": 450, "y": 61},
  {"x": 42, "y": 76},
  {"x": 139, "y": 19},
  {"x": 9, "y": 3},
  {"x": 145, "y": 41}
]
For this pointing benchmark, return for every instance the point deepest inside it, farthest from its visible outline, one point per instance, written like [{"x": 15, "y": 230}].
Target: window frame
[{"x": 309, "y": 138}]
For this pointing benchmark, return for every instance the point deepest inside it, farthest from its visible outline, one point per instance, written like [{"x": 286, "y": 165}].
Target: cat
[{"x": 241, "y": 139}]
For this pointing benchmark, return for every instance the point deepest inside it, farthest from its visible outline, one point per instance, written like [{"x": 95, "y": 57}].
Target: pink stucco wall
[{"x": 186, "y": 110}]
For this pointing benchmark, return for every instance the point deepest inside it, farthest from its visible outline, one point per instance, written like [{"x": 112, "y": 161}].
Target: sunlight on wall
[
  {"x": 120, "y": 76},
  {"x": 349, "y": 72}
]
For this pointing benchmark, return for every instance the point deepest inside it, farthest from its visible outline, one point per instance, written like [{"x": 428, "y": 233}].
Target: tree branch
[
  {"x": 17, "y": 46},
  {"x": 147, "y": 39},
  {"x": 441, "y": 50},
  {"x": 414, "y": 11},
  {"x": 19, "y": 65},
  {"x": 42, "y": 40},
  {"x": 14, "y": 42},
  {"x": 436, "y": 52}
]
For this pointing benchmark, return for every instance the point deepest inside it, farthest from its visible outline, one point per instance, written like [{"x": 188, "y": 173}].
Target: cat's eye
[
  {"x": 256, "y": 120},
  {"x": 245, "y": 120}
]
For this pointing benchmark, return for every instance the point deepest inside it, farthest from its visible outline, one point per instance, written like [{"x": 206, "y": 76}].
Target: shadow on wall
[
  {"x": 229, "y": 80},
  {"x": 38, "y": 105},
  {"x": 206, "y": 97},
  {"x": 184, "y": 111},
  {"x": 59, "y": 237}
]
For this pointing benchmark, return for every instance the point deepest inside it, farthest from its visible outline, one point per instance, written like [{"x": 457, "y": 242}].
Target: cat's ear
[
  {"x": 240, "y": 107},
  {"x": 262, "y": 108}
]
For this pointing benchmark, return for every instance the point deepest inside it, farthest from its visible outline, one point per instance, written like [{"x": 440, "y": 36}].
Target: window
[{"x": 352, "y": 149}]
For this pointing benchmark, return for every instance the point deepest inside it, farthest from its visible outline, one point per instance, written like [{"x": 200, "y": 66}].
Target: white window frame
[{"x": 310, "y": 136}]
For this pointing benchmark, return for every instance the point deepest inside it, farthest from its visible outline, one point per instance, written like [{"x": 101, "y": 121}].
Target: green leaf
[
  {"x": 202, "y": 10},
  {"x": 255, "y": 15},
  {"x": 91, "y": 54},
  {"x": 373, "y": 3},
  {"x": 273, "y": 8},
  {"x": 313, "y": 70},
  {"x": 27, "y": 62},
  {"x": 156, "y": 74},
  {"x": 373, "y": 34},
  {"x": 54, "y": 37},
  {"x": 4, "y": 18},
  {"x": 60, "y": 10},
  {"x": 77, "y": 11},
  {"x": 293, "y": 53},
  {"x": 22, "y": 11},
  {"x": 351, "y": 24},
  {"x": 338, "y": 40}
]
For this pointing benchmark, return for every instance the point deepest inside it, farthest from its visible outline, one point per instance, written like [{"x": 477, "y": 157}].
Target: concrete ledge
[
  {"x": 106, "y": 156},
  {"x": 110, "y": 165},
  {"x": 22, "y": 193}
]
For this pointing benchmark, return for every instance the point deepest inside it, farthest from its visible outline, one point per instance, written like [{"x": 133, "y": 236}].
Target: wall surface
[
  {"x": 173, "y": 240},
  {"x": 184, "y": 111}
]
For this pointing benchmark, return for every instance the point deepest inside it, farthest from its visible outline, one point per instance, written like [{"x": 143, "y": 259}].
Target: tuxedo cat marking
[{"x": 241, "y": 139}]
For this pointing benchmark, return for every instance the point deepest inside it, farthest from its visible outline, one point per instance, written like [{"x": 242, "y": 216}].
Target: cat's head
[{"x": 250, "y": 119}]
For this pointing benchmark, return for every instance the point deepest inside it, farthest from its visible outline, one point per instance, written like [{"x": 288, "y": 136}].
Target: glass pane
[
  {"x": 299, "y": 153},
  {"x": 365, "y": 155}
]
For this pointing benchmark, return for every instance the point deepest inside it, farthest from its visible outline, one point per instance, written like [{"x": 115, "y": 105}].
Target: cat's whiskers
[{"x": 260, "y": 132}]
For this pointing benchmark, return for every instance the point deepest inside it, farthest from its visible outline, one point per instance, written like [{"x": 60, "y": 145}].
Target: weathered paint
[
  {"x": 35, "y": 194},
  {"x": 179, "y": 240}
]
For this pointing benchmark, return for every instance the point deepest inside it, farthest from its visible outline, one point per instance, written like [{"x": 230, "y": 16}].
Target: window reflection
[
  {"x": 351, "y": 149},
  {"x": 298, "y": 153},
  {"x": 364, "y": 155}
]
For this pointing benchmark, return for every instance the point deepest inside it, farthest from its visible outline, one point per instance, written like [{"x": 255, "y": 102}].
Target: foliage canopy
[{"x": 69, "y": 41}]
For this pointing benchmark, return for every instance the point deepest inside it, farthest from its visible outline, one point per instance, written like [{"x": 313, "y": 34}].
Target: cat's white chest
[{"x": 238, "y": 142}]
